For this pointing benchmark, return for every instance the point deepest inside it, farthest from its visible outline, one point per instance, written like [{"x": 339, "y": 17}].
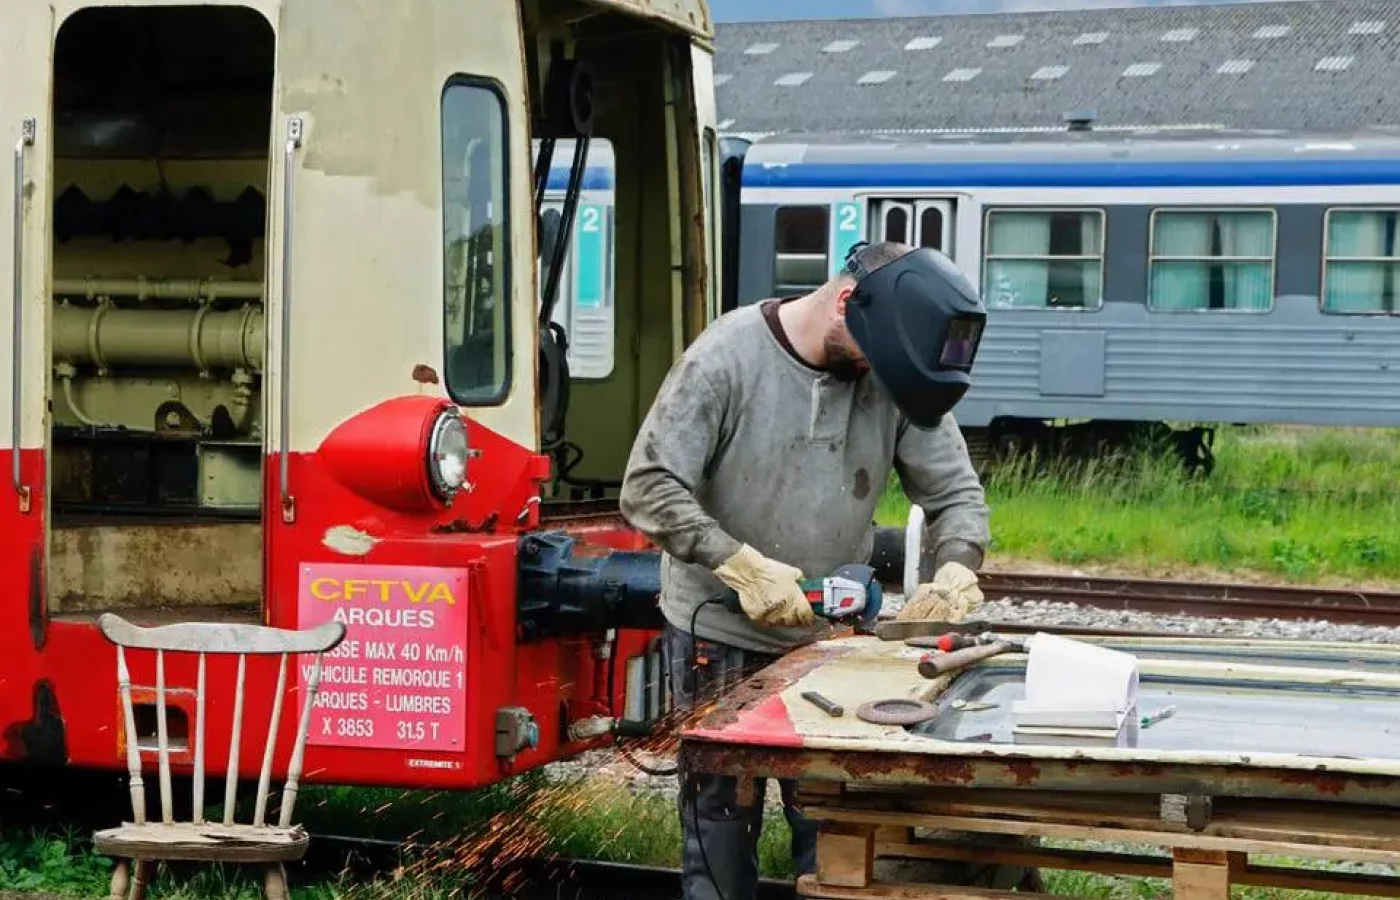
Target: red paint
[
  {"x": 398, "y": 680},
  {"x": 766, "y": 724},
  {"x": 476, "y": 536},
  {"x": 381, "y": 453}
]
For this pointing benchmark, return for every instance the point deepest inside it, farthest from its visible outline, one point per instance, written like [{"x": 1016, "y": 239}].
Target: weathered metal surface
[
  {"x": 690, "y": 16},
  {"x": 1258, "y": 718},
  {"x": 983, "y": 770}
]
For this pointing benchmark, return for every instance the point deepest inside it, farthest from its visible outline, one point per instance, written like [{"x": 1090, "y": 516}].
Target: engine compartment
[{"x": 159, "y": 219}]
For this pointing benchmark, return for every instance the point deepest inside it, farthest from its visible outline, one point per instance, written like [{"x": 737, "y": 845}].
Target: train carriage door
[
  {"x": 922, "y": 223},
  {"x": 25, "y": 126}
]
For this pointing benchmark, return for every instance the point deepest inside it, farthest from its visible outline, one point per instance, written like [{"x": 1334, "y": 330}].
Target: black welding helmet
[{"x": 918, "y": 321}]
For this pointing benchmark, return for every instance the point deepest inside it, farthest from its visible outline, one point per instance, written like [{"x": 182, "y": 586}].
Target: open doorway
[{"x": 162, "y": 118}]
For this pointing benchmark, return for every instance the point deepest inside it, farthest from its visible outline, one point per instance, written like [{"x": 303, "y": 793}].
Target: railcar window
[
  {"x": 800, "y": 245},
  {"x": 1044, "y": 259},
  {"x": 1361, "y": 265},
  {"x": 1211, "y": 260},
  {"x": 584, "y": 306},
  {"x": 476, "y": 242},
  {"x": 931, "y": 228}
]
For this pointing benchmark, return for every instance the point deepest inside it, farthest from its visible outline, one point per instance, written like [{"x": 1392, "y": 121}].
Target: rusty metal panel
[
  {"x": 690, "y": 16},
  {"x": 1256, "y": 718}
]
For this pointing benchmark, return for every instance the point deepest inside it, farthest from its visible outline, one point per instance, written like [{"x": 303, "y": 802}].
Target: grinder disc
[{"x": 896, "y": 711}]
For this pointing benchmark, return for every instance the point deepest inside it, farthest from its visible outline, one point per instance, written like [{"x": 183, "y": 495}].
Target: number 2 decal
[
  {"x": 848, "y": 219},
  {"x": 590, "y": 218}
]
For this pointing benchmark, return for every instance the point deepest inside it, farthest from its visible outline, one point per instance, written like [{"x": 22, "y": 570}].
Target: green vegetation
[
  {"x": 1295, "y": 505},
  {"x": 593, "y": 819}
]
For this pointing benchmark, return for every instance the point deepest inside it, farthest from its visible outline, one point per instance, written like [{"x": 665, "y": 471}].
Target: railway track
[{"x": 1201, "y": 599}]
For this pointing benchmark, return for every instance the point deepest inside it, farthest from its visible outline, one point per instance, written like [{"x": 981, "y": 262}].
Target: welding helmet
[{"x": 918, "y": 321}]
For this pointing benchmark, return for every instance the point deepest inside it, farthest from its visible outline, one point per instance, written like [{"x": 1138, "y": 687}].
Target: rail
[{"x": 1238, "y": 601}]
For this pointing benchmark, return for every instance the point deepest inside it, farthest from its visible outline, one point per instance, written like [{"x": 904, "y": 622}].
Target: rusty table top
[{"x": 1323, "y": 717}]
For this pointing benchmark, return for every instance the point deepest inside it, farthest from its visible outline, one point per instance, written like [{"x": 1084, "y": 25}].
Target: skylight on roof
[
  {"x": 1271, "y": 31},
  {"x": 840, "y": 46},
  {"x": 792, "y": 79},
  {"x": 1373, "y": 27},
  {"x": 880, "y": 76},
  {"x": 1180, "y": 35},
  {"x": 923, "y": 43},
  {"x": 722, "y": 79},
  {"x": 1005, "y": 40},
  {"x": 1049, "y": 73},
  {"x": 962, "y": 75},
  {"x": 1235, "y": 67},
  {"x": 1141, "y": 70},
  {"x": 1333, "y": 64},
  {"x": 1091, "y": 37},
  {"x": 761, "y": 49}
]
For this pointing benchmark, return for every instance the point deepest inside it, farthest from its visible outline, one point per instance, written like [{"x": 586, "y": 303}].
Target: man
[{"x": 761, "y": 462}]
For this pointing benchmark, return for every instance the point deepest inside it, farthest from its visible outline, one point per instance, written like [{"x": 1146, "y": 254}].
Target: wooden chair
[{"x": 255, "y": 843}]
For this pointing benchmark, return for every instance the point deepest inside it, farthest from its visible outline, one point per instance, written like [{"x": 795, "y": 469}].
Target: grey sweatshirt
[{"x": 745, "y": 443}]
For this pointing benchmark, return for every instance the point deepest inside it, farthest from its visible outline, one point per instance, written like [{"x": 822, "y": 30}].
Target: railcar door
[{"x": 922, "y": 223}]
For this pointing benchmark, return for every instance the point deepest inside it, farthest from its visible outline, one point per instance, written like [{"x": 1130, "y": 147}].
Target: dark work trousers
[{"x": 726, "y": 866}]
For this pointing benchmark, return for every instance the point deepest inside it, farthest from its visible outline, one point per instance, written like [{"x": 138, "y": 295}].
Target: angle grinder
[{"x": 852, "y": 592}]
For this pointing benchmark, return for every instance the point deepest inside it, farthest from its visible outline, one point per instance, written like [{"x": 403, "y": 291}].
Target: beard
[{"x": 840, "y": 363}]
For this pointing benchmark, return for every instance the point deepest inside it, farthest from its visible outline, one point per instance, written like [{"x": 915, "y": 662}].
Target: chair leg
[
  {"x": 121, "y": 880},
  {"x": 145, "y": 874},
  {"x": 275, "y": 882}
]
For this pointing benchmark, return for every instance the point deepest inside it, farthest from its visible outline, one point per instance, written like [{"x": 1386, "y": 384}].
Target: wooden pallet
[{"x": 1208, "y": 841}]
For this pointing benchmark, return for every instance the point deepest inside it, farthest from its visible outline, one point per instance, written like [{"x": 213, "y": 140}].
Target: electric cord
[{"x": 695, "y": 793}]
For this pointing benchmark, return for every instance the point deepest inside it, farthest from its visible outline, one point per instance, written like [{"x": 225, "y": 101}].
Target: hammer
[{"x": 932, "y": 665}]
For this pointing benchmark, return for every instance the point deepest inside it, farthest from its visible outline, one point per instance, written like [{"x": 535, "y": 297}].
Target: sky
[{"x": 767, "y": 10}]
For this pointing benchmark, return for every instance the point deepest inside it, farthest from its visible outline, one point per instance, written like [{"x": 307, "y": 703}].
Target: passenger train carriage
[
  {"x": 1187, "y": 278},
  {"x": 1196, "y": 278}
]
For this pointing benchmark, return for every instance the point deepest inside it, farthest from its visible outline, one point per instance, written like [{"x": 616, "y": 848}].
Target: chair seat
[{"x": 203, "y": 842}]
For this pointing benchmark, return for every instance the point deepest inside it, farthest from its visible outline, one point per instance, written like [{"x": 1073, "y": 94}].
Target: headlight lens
[{"x": 447, "y": 454}]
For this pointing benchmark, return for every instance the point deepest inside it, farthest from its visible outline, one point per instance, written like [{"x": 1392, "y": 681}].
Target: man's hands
[
  {"x": 951, "y": 595},
  {"x": 768, "y": 590}
]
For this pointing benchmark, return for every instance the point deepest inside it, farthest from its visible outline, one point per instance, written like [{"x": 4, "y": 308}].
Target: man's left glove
[{"x": 949, "y": 597}]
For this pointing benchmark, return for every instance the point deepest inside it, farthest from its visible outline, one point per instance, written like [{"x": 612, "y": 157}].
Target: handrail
[
  {"x": 26, "y": 139},
  {"x": 294, "y": 138}
]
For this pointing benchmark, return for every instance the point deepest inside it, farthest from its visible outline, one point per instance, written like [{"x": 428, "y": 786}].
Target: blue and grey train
[{"x": 1161, "y": 284}]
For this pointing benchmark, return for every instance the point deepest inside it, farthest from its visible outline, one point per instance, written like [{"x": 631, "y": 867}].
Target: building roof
[{"x": 1294, "y": 65}]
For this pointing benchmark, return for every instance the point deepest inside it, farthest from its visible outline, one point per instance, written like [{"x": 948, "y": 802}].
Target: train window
[
  {"x": 1211, "y": 260},
  {"x": 584, "y": 306},
  {"x": 1044, "y": 259},
  {"x": 476, "y": 242},
  {"x": 931, "y": 228},
  {"x": 1361, "y": 264},
  {"x": 800, "y": 247}
]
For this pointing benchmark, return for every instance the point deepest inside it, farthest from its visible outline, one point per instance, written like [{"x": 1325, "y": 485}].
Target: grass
[
  {"x": 1289, "y": 505},
  {"x": 592, "y": 819}
]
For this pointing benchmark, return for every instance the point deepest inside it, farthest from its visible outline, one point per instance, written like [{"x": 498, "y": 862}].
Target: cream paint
[
  {"x": 367, "y": 249},
  {"x": 26, "y": 57},
  {"x": 875, "y": 669}
]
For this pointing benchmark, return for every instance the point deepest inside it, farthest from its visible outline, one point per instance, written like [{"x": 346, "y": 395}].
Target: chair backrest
[{"x": 203, "y": 639}]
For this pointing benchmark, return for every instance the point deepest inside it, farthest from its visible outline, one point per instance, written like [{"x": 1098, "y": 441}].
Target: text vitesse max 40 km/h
[{"x": 286, "y": 350}]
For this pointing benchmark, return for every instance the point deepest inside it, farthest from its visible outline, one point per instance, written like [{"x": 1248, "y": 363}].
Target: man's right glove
[{"x": 768, "y": 590}]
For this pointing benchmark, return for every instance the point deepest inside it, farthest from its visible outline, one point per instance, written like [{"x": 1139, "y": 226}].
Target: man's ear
[{"x": 843, "y": 294}]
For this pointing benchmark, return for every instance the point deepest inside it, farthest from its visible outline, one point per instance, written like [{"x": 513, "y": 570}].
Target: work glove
[
  {"x": 768, "y": 590},
  {"x": 949, "y": 597}
]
